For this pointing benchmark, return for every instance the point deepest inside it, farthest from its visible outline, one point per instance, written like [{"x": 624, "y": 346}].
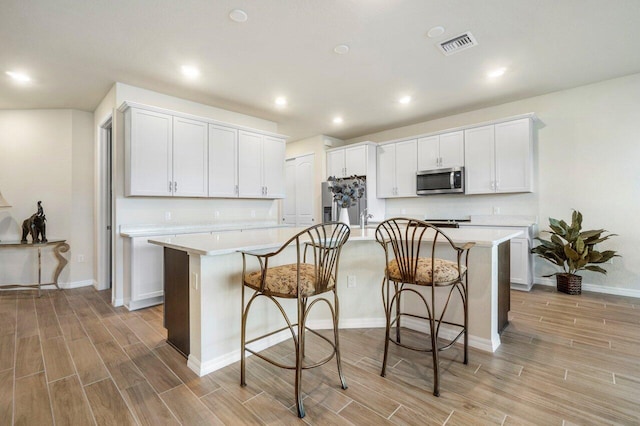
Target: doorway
[
  {"x": 298, "y": 206},
  {"x": 104, "y": 208}
]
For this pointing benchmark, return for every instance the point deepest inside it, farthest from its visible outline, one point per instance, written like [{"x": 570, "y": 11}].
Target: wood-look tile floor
[{"x": 70, "y": 358}]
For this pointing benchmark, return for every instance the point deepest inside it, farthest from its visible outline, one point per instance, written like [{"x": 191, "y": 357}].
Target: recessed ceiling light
[
  {"x": 498, "y": 72},
  {"x": 238, "y": 15},
  {"x": 341, "y": 49},
  {"x": 435, "y": 32},
  {"x": 190, "y": 71},
  {"x": 19, "y": 77},
  {"x": 338, "y": 120},
  {"x": 405, "y": 99},
  {"x": 281, "y": 101}
]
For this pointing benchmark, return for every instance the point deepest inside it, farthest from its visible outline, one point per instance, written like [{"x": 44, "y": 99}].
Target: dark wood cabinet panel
[
  {"x": 176, "y": 299},
  {"x": 504, "y": 284}
]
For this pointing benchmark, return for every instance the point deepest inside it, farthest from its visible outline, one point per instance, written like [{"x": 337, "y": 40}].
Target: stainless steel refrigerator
[{"x": 331, "y": 211}]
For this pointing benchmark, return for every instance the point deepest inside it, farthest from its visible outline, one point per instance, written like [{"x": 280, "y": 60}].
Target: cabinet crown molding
[{"x": 128, "y": 104}]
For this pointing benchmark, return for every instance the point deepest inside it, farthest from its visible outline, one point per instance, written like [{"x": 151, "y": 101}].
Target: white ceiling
[{"x": 76, "y": 49}]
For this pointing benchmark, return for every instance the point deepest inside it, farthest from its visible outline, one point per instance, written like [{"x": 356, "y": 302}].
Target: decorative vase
[
  {"x": 569, "y": 283},
  {"x": 344, "y": 216}
]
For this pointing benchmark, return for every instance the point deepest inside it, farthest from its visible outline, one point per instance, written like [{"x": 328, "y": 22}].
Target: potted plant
[
  {"x": 573, "y": 250},
  {"x": 346, "y": 192}
]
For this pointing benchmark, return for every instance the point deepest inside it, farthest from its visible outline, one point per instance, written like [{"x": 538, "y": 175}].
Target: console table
[{"x": 59, "y": 247}]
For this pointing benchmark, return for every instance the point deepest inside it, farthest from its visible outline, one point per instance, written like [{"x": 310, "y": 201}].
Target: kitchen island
[{"x": 203, "y": 291}]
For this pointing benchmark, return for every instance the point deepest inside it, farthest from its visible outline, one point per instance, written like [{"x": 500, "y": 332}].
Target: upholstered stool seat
[
  {"x": 282, "y": 281},
  {"x": 445, "y": 271}
]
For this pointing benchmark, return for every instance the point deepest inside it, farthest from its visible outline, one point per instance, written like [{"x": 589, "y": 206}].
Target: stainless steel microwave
[{"x": 440, "y": 181}]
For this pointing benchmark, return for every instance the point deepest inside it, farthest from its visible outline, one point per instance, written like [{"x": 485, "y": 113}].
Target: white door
[
  {"x": 223, "y": 161},
  {"x": 406, "y": 168},
  {"x": 335, "y": 163},
  {"x": 452, "y": 149},
  {"x": 479, "y": 160},
  {"x": 250, "y": 165},
  {"x": 355, "y": 160},
  {"x": 273, "y": 167},
  {"x": 150, "y": 164},
  {"x": 190, "y": 159},
  {"x": 513, "y": 156},
  {"x": 429, "y": 153},
  {"x": 289, "y": 202},
  {"x": 305, "y": 190}
]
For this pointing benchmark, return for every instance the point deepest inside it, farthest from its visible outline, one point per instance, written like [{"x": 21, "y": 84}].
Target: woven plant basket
[{"x": 569, "y": 283}]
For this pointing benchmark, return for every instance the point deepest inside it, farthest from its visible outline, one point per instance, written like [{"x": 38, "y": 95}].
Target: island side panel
[
  {"x": 176, "y": 299},
  {"x": 504, "y": 284}
]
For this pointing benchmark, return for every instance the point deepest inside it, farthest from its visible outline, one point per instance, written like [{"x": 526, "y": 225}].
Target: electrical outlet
[
  {"x": 253, "y": 213},
  {"x": 351, "y": 281},
  {"x": 403, "y": 211},
  {"x": 80, "y": 258},
  {"x": 216, "y": 214},
  {"x": 167, "y": 216},
  {"x": 496, "y": 210}
]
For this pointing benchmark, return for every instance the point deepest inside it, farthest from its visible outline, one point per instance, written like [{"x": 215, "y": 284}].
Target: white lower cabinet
[
  {"x": 521, "y": 265},
  {"x": 144, "y": 273}
]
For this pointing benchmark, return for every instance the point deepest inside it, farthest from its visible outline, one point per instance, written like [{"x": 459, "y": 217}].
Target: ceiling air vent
[{"x": 458, "y": 43}]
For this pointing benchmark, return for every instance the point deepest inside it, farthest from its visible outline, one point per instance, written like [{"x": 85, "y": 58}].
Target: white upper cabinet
[
  {"x": 260, "y": 166},
  {"x": 349, "y": 161},
  {"x": 441, "y": 151},
  {"x": 499, "y": 157},
  {"x": 223, "y": 161},
  {"x": 190, "y": 162},
  {"x": 173, "y": 154},
  {"x": 397, "y": 166},
  {"x": 166, "y": 156},
  {"x": 148, "y": 158}
]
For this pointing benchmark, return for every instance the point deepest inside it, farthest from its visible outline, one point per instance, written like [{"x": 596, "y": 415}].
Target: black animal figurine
[{"x": 36, "y": 226}]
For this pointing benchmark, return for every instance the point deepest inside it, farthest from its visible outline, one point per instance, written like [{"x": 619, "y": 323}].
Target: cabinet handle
[
  {"x": 237, "y": 191},
  {"x": 266, "y": 190},
  {"x": 170, "y": 186},
  {"x": 175, "y": 186}
]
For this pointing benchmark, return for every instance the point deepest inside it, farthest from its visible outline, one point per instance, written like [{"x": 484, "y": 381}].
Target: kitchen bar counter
[{"x": 211, "y": 288}]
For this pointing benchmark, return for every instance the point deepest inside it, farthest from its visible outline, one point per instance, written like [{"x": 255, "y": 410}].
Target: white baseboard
[
  {"x": 202, "y": 369},
  {"x": 448, "y": 332},
  {"x": 77, "y": 284},
  {"x": 629, "y": 292},
  {"x": 118, "y": 302},
  {"x": 145, "y": 303}
]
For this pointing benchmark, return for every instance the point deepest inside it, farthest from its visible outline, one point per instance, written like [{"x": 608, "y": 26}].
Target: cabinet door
[
  {"x": 520, "y": 261},
  {"x": 513, "y": 143},
  {"x": 190, "y": 159},
  {"x": 452, "y": 149},
  {"x": 429, "y": 153},
  {"x": 355, "y": 160},
  {"x": 273, "y": 167},
  {"x": 386, "y": 171},
  {"x": 335, "y": 163},
  {"x": 223, "y": 161},
  {"x": 479, "y": 160},
  {"x": 146, "y": 271},
  {"x": 250, "y": 165},
  {"x": 150, "y": 157},
  {"x": 406, "y": 167}
]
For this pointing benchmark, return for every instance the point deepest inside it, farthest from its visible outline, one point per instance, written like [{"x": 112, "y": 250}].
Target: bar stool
[
  {"x": 402, "y": 240},
  {"x": 315, "y": 272}
]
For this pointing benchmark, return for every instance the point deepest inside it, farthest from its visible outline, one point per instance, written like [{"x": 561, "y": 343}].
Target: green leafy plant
[
  {"x": 573, "y": 249},
  {"x": 346, "y": 191}
]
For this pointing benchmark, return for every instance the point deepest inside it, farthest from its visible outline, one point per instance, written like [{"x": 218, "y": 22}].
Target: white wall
[
  {"x": 152, "y": 210},
  {"x": 587, "y": 149},
  {"x": 47, "y": 155}
]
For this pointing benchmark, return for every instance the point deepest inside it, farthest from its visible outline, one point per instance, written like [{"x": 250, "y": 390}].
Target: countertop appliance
[
  {"x": 331, "y": 211},
  {"x": 440, "y": 181}
]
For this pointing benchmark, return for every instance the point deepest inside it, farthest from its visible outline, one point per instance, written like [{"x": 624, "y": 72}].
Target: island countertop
[{"x": 259, "y": 239}]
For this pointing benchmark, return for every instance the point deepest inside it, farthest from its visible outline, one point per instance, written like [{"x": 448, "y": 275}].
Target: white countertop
[
  {"x": 258, "y": 239},
  {"x": 151, "y": 230}
]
